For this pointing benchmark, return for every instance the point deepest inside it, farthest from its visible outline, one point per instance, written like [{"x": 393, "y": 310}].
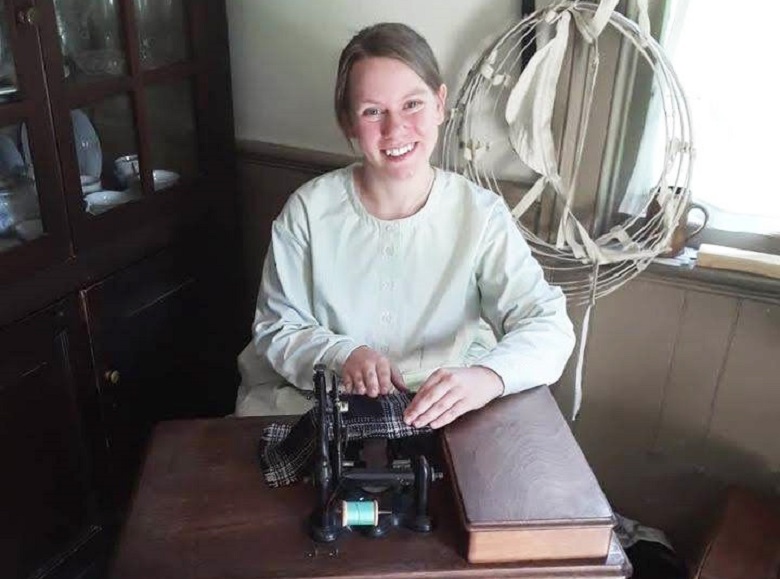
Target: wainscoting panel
[
  {"x": 626, "y": 367},
  {"x": 706, "y": 327},
  {"x": 744, "y": 435}
]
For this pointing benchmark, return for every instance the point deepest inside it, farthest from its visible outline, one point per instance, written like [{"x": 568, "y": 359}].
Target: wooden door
[
  {"x": 48, "y": 509},
  {"x": 150, "y": 354}
]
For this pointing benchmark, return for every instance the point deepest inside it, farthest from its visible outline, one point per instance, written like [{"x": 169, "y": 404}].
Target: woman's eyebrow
[
  {"x": 360, "y": 101},
  {"x": 415, "y": 93}
]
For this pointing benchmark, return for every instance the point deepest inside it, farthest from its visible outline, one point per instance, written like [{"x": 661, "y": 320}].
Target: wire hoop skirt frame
[{"x": 482, "y": 142}]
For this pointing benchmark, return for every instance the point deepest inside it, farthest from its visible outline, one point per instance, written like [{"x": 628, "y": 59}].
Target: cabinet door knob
[
  {"x": 28, "y": 16},
  {"x": 111, "y": 376}
]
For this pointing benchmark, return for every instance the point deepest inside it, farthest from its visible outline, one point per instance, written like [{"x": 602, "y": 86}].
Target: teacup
[
  {"x": 684, "y": 230},
  {"x": 127, "y": 169}
]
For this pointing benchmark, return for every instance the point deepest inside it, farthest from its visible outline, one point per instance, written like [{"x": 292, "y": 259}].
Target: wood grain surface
[
  {"x": 202, "y": 510},
  {"x": 523, "y": 486}
]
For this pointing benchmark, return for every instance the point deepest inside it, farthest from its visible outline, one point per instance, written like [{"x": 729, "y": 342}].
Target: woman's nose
[{"x": 392, "y": 123}]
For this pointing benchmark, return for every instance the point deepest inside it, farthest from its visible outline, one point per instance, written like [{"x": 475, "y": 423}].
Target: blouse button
[
  {"x": 386, "y": 317},
  {"x": 389, "y": 250}
]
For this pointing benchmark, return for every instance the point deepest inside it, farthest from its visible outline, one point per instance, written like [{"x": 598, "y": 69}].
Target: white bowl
[{"x": 101, "y": 201}]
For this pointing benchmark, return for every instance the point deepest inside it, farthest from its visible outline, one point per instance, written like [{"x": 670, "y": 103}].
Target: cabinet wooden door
[
  {"x": 150, "y": 353},
  {"x": 33, "y": 226},
  {"x": 48, "y": 510}
]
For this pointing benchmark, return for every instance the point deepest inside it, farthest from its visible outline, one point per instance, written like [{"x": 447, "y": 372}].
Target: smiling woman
[{"x": 385, "y": 270}]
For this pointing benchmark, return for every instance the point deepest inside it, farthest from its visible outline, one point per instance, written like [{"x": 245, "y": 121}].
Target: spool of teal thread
[{"x": 359, "y": 513}]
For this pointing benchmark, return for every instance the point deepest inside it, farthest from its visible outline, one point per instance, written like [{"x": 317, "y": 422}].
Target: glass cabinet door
[
  {"x": 162, "y": 32},
  {"x": 33, "y": 227},
  {"x": 125, "y": 108},
  {"x": 91, "y": 39}
]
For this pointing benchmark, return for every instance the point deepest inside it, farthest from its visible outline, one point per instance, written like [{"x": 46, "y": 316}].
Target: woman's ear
[{"x": 441, "y": 103}]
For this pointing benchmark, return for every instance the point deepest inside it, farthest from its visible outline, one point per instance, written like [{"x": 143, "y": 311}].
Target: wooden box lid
[{"x": 522, "y": 484}]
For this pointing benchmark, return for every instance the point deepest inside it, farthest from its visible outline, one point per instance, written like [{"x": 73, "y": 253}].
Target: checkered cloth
[{"x": 287, "y": 451}]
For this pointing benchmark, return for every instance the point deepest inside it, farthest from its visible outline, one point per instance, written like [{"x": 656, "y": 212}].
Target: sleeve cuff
[{"x": 335, "y": 356}]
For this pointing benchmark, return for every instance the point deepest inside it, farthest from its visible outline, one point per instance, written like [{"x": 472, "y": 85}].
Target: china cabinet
[{"x": 118, "y": 257}]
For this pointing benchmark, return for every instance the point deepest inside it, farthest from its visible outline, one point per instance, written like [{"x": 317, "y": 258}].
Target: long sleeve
[
  {"x": 414, "y": 289},
  {"x": 526, "y": 313},
  {"x": 285, "y": 330}
]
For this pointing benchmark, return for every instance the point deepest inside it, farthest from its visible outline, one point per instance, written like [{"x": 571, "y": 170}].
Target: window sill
[
  {"x": 750, "y": 232},
  {"x": 684, "y": 273}
]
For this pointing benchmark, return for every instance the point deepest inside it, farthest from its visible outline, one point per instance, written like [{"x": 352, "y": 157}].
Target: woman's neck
[{"x": 393, "y": 198}]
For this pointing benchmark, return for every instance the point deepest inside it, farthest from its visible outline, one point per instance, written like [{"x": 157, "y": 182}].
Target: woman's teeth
[{"x": 400, "y": 151}]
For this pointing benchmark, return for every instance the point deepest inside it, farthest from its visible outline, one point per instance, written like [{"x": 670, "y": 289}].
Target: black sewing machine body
[{"x": 352, "y": 494}]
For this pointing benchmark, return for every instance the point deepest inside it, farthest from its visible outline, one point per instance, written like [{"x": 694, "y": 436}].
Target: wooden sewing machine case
[{"x": 523, "y": 488}]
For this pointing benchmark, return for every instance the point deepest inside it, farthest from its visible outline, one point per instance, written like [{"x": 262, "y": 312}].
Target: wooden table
[{"x": 202, "y": 511}]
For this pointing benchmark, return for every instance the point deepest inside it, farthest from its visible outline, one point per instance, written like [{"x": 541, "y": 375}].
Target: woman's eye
[
  {"x": 372, "y": 113},
  {"x": 413, "y": 105}
]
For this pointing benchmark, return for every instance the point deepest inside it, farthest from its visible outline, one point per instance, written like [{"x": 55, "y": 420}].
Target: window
[
  {"x": 723, "y": 66},
  {"x": 721, "y": 60}
]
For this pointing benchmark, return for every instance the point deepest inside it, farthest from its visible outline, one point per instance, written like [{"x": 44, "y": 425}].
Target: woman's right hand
[{"x": 368, "y": 372}]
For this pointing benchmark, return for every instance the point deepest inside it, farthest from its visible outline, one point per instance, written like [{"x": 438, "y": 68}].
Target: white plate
[
  {"x": 11, "y": 161},
  {"x": 87, "y": 144},
  {"x": 85, "y": 138},
  {"x": 164, "y": 179}
]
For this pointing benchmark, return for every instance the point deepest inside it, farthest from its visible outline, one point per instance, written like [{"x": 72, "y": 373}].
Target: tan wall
[
  {"x": 682, "y": 394},
  {"x": 681, "y": 398}
]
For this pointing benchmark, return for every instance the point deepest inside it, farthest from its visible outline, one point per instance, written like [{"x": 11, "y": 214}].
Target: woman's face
[{"x": 394, "y": 116}]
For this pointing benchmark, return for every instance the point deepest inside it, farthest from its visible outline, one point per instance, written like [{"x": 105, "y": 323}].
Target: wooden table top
[{"x": 202, "y": 510}]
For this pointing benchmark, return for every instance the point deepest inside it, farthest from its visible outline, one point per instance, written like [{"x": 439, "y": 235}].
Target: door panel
[{"x": 47, "y": 505}]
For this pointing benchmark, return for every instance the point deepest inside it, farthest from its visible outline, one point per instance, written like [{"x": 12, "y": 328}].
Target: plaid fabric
[{"x": 287, "y": 451}]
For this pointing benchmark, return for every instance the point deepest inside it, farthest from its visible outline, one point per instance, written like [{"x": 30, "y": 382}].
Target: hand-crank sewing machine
[{"x": 353, "y": 495}]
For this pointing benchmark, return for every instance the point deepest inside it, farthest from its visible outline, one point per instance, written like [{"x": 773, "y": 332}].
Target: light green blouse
[{"x": 415, "y": 289}]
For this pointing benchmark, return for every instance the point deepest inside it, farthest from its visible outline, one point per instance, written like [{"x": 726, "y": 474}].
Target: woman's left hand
[{"x": 451, "y": 392}]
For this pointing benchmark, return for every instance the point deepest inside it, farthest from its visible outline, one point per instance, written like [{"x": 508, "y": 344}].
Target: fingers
[
  {"x": 426, "y": 396},
  {"x": 367, "y": 372},
  {"x": 453, "y": 412},
  {"x": 443, "y": 410},
  {"x": 397, "y": 379},
  {"x": 384, "y": 375},
  {"x": 371, "y": 382}
]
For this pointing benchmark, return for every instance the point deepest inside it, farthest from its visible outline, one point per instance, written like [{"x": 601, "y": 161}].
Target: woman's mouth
[{"x": 399, "y": 153}]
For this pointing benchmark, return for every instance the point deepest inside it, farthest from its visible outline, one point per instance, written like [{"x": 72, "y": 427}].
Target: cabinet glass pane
[
  {"x": 90, "y": 38},
  {"x": 20, "y": 214},
  {"x": 173, "y": 139},
  {"x": 162, "y": 32},
  {"x": 105, "y": 140},
  {"x": 7, "y": 70}
]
